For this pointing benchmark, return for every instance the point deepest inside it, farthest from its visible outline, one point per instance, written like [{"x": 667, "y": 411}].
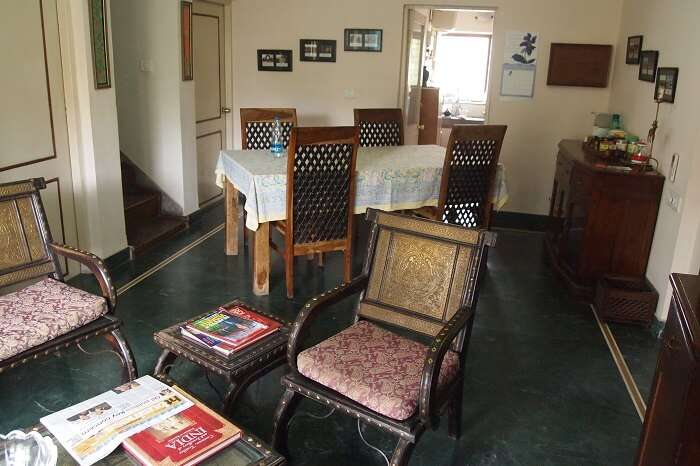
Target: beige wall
[
  {"x": 317, "y": 89},
  {"x": 665, "y": 29},
  {"x": 156, "y": 108}
]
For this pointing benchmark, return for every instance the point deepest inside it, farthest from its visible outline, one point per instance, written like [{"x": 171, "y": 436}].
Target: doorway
[{"x": 445, "y": 79}]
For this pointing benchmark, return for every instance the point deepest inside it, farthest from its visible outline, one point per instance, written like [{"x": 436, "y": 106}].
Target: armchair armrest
[
  {"x": 96, "y": 266},
  {"x": 437, "y": 349},
  {"x": 311, "y": 308}
]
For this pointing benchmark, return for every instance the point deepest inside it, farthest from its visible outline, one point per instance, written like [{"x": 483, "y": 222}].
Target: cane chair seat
[
  {"x": 374, "y": 367},
  {"x": 44, "y": 311}
]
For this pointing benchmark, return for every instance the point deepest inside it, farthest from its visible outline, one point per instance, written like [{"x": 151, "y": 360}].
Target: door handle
[
  {"x": 225, "y": 110},
  {"x": 421, "y": 127}
]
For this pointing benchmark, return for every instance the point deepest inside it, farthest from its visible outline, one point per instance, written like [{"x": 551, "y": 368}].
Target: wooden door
[
  {"x": 415, "y": 46},
  {"x": 33, "y": 127},
  {"x": 208, "y": 32}
]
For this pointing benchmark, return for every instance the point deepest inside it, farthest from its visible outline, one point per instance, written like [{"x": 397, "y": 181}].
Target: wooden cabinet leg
[
  {"x": 231, "y": 219},
  {"x": 261, "y": 260}
]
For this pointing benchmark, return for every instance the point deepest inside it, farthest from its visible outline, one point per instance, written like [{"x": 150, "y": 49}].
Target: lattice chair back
[
  {"x": 24, "y": 234},
  {"x": 257, "y": 124},
  {"x": 379, "y": 126},
  {"x": 421, "y": 272},
  {"x": 469, "y": 175},
  {"x": 321, "y": 185}
]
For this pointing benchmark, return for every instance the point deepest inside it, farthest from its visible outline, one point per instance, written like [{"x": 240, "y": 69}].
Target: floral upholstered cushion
[
  {"x": 374, "y": 367},
  {"x": 43, "y": 311}
]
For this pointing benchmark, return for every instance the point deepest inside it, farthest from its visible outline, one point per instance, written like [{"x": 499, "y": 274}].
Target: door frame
[{"x": 403, "y": 65}]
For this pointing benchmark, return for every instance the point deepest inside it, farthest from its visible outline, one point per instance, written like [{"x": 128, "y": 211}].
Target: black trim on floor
[
  {"x": 118, "y": 258},
  {"x": 519, "y": 221},
  {"x": 198, "y": 213}
]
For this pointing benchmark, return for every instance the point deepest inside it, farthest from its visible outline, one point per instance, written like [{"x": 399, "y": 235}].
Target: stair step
[
  {"x": 140, "y": 206},
  {"x": 150, "y": 231}
]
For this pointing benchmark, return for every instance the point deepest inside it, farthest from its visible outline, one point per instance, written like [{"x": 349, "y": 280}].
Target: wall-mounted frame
[
  {"x": 275, "y": 60},
  {"x": 648, "y": 61},
  {"x": 317, "y": 50},
  {"x": 186, "y": 39},
  {"x": 634, "y": 48},
  {"x": 666, "y": 83},
  {"x": 100, "y": 44},
  {"x": 581, "y": 65},
  {"x": 363, "y": 40}
]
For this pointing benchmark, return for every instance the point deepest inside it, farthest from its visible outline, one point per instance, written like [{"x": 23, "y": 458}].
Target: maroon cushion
[
  {"x": 43, "y": 311},
  {"x": 374, "y": 367}
]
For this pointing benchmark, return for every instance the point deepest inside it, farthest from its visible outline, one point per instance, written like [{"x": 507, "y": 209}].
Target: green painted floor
[{"x": 541, "y": 389}]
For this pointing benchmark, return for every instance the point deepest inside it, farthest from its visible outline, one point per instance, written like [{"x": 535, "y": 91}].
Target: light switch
[
  {"x": 146, "y": 66},
  {"x": 349, "y": 93},
  {"x": 673, "y": 200}
]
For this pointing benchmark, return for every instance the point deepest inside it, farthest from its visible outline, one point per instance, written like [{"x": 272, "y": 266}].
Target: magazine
[
  {"x": 92, "y": 429},
  {"x": 184, "y": 439}
]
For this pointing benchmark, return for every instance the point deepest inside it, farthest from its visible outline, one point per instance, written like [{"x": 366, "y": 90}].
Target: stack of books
[{"x": 229, "y": 329}]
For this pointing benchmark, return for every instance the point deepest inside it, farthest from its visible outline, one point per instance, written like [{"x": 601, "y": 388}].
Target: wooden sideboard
[
  {"x": 601, "y": 220},
  {"x": 671, "y": 433}
]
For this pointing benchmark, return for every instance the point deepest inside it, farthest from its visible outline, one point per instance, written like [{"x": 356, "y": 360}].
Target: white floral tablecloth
[{"x": 388, "y": 178}]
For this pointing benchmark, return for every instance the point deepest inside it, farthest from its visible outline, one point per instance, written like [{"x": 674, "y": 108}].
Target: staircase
[{"x": 146, "y": 223}]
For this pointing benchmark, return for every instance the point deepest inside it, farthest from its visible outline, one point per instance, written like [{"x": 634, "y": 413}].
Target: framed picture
[
  {"x": 317, "y": 50},
  {"x": 363, "y": 40},
  {"x": 274, "y": 60},
  {"x": 634, "y": 48},
  {"x": 186, "y": 32},
  {"x": 100, "y": 48},
  {"x": 648, "y": 60},
  {"x": 666, "y": 82}
]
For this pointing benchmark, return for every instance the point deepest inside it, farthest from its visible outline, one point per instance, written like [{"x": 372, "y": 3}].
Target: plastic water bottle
[{"x": 276, "y": 145}]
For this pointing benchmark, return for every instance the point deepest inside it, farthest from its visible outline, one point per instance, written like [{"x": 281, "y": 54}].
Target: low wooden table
[{"x": 240, "y": 369}]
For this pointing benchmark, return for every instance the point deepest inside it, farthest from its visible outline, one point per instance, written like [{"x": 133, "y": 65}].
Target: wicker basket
[{"x": 625, "y": 299}]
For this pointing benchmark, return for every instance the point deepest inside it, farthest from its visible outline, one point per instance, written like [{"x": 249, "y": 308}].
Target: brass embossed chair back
[
  {"x": 24, "y": 234},
  {"x": 469, "y": 174},
  {"x": 379, "y": 126},
  {"x": 421, "y": 272},
  {"x": 256, "y": 126}
]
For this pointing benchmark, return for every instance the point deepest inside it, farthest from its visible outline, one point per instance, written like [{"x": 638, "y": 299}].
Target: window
[{"x": 462, "y": 66}]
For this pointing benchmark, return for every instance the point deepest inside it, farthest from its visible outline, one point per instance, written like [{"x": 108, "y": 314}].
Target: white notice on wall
[{"x": 519, "y": 64}]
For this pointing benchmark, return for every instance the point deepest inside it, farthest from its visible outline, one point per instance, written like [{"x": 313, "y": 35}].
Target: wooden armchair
[
  {"x": 320, "y": 196},
  {"x": 420, "y": 276},
  {"x": 48, "y": 315},
  {"x": 468, "y": 176},
  {"x": 379, "y": 126},
  {"x": 256, "y": 126}
]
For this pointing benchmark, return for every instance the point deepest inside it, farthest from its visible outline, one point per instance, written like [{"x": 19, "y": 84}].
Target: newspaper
[{"x": 92, "y": 429}]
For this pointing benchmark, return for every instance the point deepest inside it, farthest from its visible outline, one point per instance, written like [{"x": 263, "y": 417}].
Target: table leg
[
  {"x": 166, "y": 359},
  {"x": 231, "y": 219},
  {"x": 261, "y": 260}
]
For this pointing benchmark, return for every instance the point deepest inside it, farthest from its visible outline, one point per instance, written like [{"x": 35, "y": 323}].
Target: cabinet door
[
  {"x": 576, "y": 219},
  {"x": 557, "y": 205},
  {"x": 664, "y": 416}
]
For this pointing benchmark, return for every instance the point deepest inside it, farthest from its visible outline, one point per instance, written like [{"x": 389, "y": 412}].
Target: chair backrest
[
  {"x": 256, "y": 126},
  {"x": 469, "y": 175},
  {"x": 379, "y": 126},
  {"x": 320, "y": 184},
  {"x": 24, "y": 234},
  {"x": 420, "y": 271}
]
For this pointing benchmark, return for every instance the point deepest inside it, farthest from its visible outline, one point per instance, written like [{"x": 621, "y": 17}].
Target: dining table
[{"x": 387, "y": 178}]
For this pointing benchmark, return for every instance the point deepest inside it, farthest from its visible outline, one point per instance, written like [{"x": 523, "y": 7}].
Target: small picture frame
[
  {"x": 275, "y": 60},
  {"x": 186, "y": 37},
  {"x": 317, "y": 50},
  {"x": 648, "y": 61},
  {"x": 634, "y": 48},
  {"x": 363, "y": 40},
  {"x": 100, "y": 44},
  {"x": 666, "y": 82}
]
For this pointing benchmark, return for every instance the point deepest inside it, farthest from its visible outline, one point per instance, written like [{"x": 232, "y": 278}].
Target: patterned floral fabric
[
  {"x": 374, "y": 367},
  {"x": 43, "y": 311}
]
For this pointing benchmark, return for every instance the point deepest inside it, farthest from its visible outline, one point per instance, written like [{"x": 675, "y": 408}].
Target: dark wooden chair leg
[
  {"x": 289, "y": 275},
  {"x": 320, "y": 259},
  {"x": 121, "y": 346},
  {"x": 454, "y": 415},
  {"x": 285, "y": 408},
  {"x": 402, "y": 453},
  {"x": 347, "y": 265}
]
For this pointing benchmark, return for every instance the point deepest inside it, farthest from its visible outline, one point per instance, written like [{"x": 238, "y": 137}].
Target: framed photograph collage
[{"x": 665, "y": 78}]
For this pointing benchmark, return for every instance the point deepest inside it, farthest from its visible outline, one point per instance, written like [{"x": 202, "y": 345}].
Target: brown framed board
[{"x": 583, "y": 65}]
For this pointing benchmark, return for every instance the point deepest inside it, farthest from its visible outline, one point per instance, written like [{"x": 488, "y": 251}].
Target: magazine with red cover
[{"x": 184, "y": 439}]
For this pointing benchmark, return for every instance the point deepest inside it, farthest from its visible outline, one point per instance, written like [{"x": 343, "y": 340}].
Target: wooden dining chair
[
  {"x": 320, "y": 196},
  {"x": 379, "y": 126},
  {"x": 468, "y": 176},
  {"x": 256, "y": 126}
]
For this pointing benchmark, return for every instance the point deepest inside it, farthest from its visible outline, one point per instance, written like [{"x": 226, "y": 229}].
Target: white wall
[
  {"x": 317, "y": 89},
  {"x": 156, "y": 108},
  {"x": 94, "y": 140},
  {"x": 675, "y": 247}
]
